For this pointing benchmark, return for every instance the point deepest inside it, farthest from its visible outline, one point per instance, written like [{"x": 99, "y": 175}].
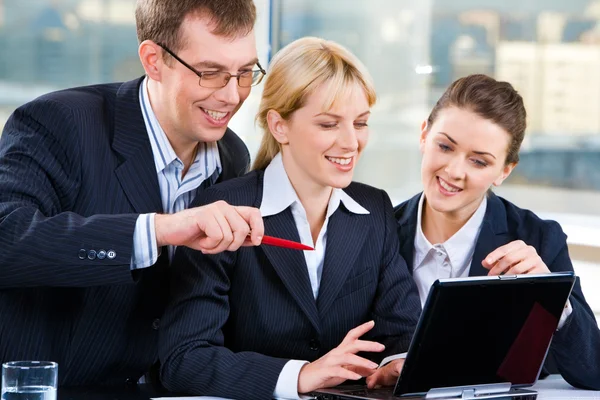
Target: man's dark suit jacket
[
  {"x": 236, "y": 318},
  {"x": 575, "y": 347},
  {"x": 76, "y": 170}
]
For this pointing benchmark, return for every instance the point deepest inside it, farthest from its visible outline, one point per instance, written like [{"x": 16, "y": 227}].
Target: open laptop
[{"x": 477, "y": 338}]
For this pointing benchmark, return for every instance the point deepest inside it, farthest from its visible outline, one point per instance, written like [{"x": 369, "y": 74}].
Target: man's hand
[
  {"x": 341, "y": 363},
  {"x": 515, "y": 258},
  {"x": 386, "y": 375},
  {"x": 211, "y": 229}
]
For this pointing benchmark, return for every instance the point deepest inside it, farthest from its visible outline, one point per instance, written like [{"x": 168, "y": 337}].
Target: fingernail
[{"x": 488, "y": 260}]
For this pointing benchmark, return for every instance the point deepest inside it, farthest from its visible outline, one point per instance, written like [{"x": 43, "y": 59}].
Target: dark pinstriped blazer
[
  {"x": 76, "y": 170},
  {"x": 236, "y": 318},
  {"x": 575, "y": 348}
]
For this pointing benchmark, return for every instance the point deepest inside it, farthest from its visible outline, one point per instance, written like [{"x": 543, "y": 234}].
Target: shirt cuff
[
  {"x": 565, "y": 315},
  {"x": 391, "y": 358},
  {"x": 145, "y": 250},
  {"x": 287, "y": 384}
]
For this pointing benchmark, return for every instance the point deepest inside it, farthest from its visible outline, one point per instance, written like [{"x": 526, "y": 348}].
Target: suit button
[
  {"x": 314, "y": 344},
  {"x": 101, "y": 255},
  {"x": 156, "y": 324},
  {"x": 130, "y": 381},
  {"x": 91, "y": 254},
  {"x": 111, "y": 254},
  {"x": 82, "y": 254}
]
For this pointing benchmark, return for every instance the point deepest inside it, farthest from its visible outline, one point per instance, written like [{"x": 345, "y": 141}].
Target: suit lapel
[
  {"x": 137, "y": 173},
  {"x": 493, "y": 234},
  {"x": 346, "y": 234},
  {"x": 406, "y": 214},
  {"x": 290, "y": 265}
]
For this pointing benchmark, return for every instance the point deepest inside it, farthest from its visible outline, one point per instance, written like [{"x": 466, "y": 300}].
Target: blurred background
[{"x": 548, "y": 49}]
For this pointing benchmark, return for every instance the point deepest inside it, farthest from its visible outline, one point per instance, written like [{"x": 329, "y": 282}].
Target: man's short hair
[{"x": 160, "y": 20}]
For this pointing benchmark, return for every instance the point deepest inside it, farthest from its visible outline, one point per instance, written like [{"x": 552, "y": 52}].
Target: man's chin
[{"x": 211, "y": 134}]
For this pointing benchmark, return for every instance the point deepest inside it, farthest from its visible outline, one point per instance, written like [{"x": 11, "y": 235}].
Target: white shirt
[
  {"x": 176, "y": 193},
  {"x": 451, "y": 259},
  {"x": 278, "y": 195}
]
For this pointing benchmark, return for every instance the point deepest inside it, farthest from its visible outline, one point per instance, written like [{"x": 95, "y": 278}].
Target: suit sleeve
[
  {"x": 576, "y": 346},
  {"x": 40, "y": 237},
  {"x": 192, "y": 351},
  {"x": 396, "y": 307}
]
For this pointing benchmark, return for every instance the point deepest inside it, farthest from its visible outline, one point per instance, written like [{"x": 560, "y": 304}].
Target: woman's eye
[{"x": 443, "y": 147}]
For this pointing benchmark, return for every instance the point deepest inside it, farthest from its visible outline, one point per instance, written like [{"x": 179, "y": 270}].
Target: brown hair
[
  {"x": 493, "y": 100},
  {"x": 160, "y": 20},
  {"x": 298, "y": 70}
]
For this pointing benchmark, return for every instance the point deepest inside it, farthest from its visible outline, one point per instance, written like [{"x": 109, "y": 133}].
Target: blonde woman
[{"x": 264, "y": 321}]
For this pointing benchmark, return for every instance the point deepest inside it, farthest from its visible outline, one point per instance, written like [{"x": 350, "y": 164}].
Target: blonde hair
[{"x": 295, "y": 72}]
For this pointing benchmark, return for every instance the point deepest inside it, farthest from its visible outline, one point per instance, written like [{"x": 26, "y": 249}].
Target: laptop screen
[{"x": 484, "y": 330}]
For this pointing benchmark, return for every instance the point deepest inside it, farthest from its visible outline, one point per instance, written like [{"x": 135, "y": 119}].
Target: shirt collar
[
  {"x": 161, "y": 147},
  {"x": 422, "y": 245},
  {"x": 279, "y": 194},
  {"x": 460, "y": 246},
  {"x": 162, "y": 150}
]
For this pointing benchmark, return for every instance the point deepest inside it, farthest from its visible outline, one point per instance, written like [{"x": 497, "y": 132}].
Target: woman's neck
[
  {"x": 439, "y": 226},
  {"x": 313, "y": 196}
]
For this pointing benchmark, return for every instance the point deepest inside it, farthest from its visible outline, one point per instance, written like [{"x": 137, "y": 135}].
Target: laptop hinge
[{"x": 468, "y": 392}]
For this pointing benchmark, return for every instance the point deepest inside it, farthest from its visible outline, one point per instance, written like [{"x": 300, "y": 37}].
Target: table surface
[{"x": 553, "y": 387}]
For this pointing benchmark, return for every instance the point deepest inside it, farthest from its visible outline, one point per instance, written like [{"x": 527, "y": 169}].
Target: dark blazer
[
  {"x": 76, "y": 170},
  {"x": 575, "y": 347},
  {"x": 236, "y": 318}
]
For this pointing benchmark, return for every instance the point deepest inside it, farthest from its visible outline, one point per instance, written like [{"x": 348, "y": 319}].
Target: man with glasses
[{"x": 95, "y": 184}]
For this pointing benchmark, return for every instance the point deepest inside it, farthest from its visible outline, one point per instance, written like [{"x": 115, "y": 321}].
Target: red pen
[{"x": 288, "y": 244}]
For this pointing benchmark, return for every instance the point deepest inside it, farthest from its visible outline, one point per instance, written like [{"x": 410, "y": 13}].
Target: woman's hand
[
  {"x": 341, "y": 363},
  {"x": 386, "y": 375},
  {"x": 515, "y": 258}
]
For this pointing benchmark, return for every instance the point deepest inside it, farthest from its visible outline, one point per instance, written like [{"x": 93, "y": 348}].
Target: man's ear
[
  {"x": 508, "y": 168},
  {"x": 278, "y": 127},
  {"x": 152, "y": 59}
]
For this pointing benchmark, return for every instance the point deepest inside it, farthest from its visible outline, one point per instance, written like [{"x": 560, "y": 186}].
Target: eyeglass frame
[{"x": 200, "y": 73}]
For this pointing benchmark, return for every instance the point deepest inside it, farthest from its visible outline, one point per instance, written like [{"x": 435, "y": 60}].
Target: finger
[
  {"x": 364, "y": 372},
  {"x": 373, "y": 380},
  {"x": 357, "y": 332},
  {"x": 363, "y": 345},
  {"x": 500, "y": 252},
  {"x": 341, "y": 372},
  {"x": 212, "y": 234},
  {"x": 510, "y": 259},
  {"x": 354, "y": 361},
  {"x": 239, "y": 228},
  {"x": 254, "y": 220},
  {"x": 532, "y": 264},
  {"x": 227, "y": 234},
  {"x": 385, "y": 376}
]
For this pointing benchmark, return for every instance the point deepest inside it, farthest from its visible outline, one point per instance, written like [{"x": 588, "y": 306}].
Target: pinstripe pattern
[
  {"x": 575, "y": 348},
  {"x": 76, "y": 169},
  {"x": 237, "y": 318}
]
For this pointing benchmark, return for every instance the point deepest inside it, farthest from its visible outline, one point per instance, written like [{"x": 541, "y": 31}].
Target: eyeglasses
[{"x": 220, "y": 79}]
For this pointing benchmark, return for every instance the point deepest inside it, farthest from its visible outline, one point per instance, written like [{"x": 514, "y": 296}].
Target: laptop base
[{"x": 361, "y": 392}]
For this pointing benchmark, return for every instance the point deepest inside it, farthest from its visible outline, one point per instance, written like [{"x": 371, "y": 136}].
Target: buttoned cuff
[
  {"x": 565, "y": 315},
  {"x": 391, "y": 358},
  {"x": 145, "y": 250},
  {"x": 287, "y": 384}
]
